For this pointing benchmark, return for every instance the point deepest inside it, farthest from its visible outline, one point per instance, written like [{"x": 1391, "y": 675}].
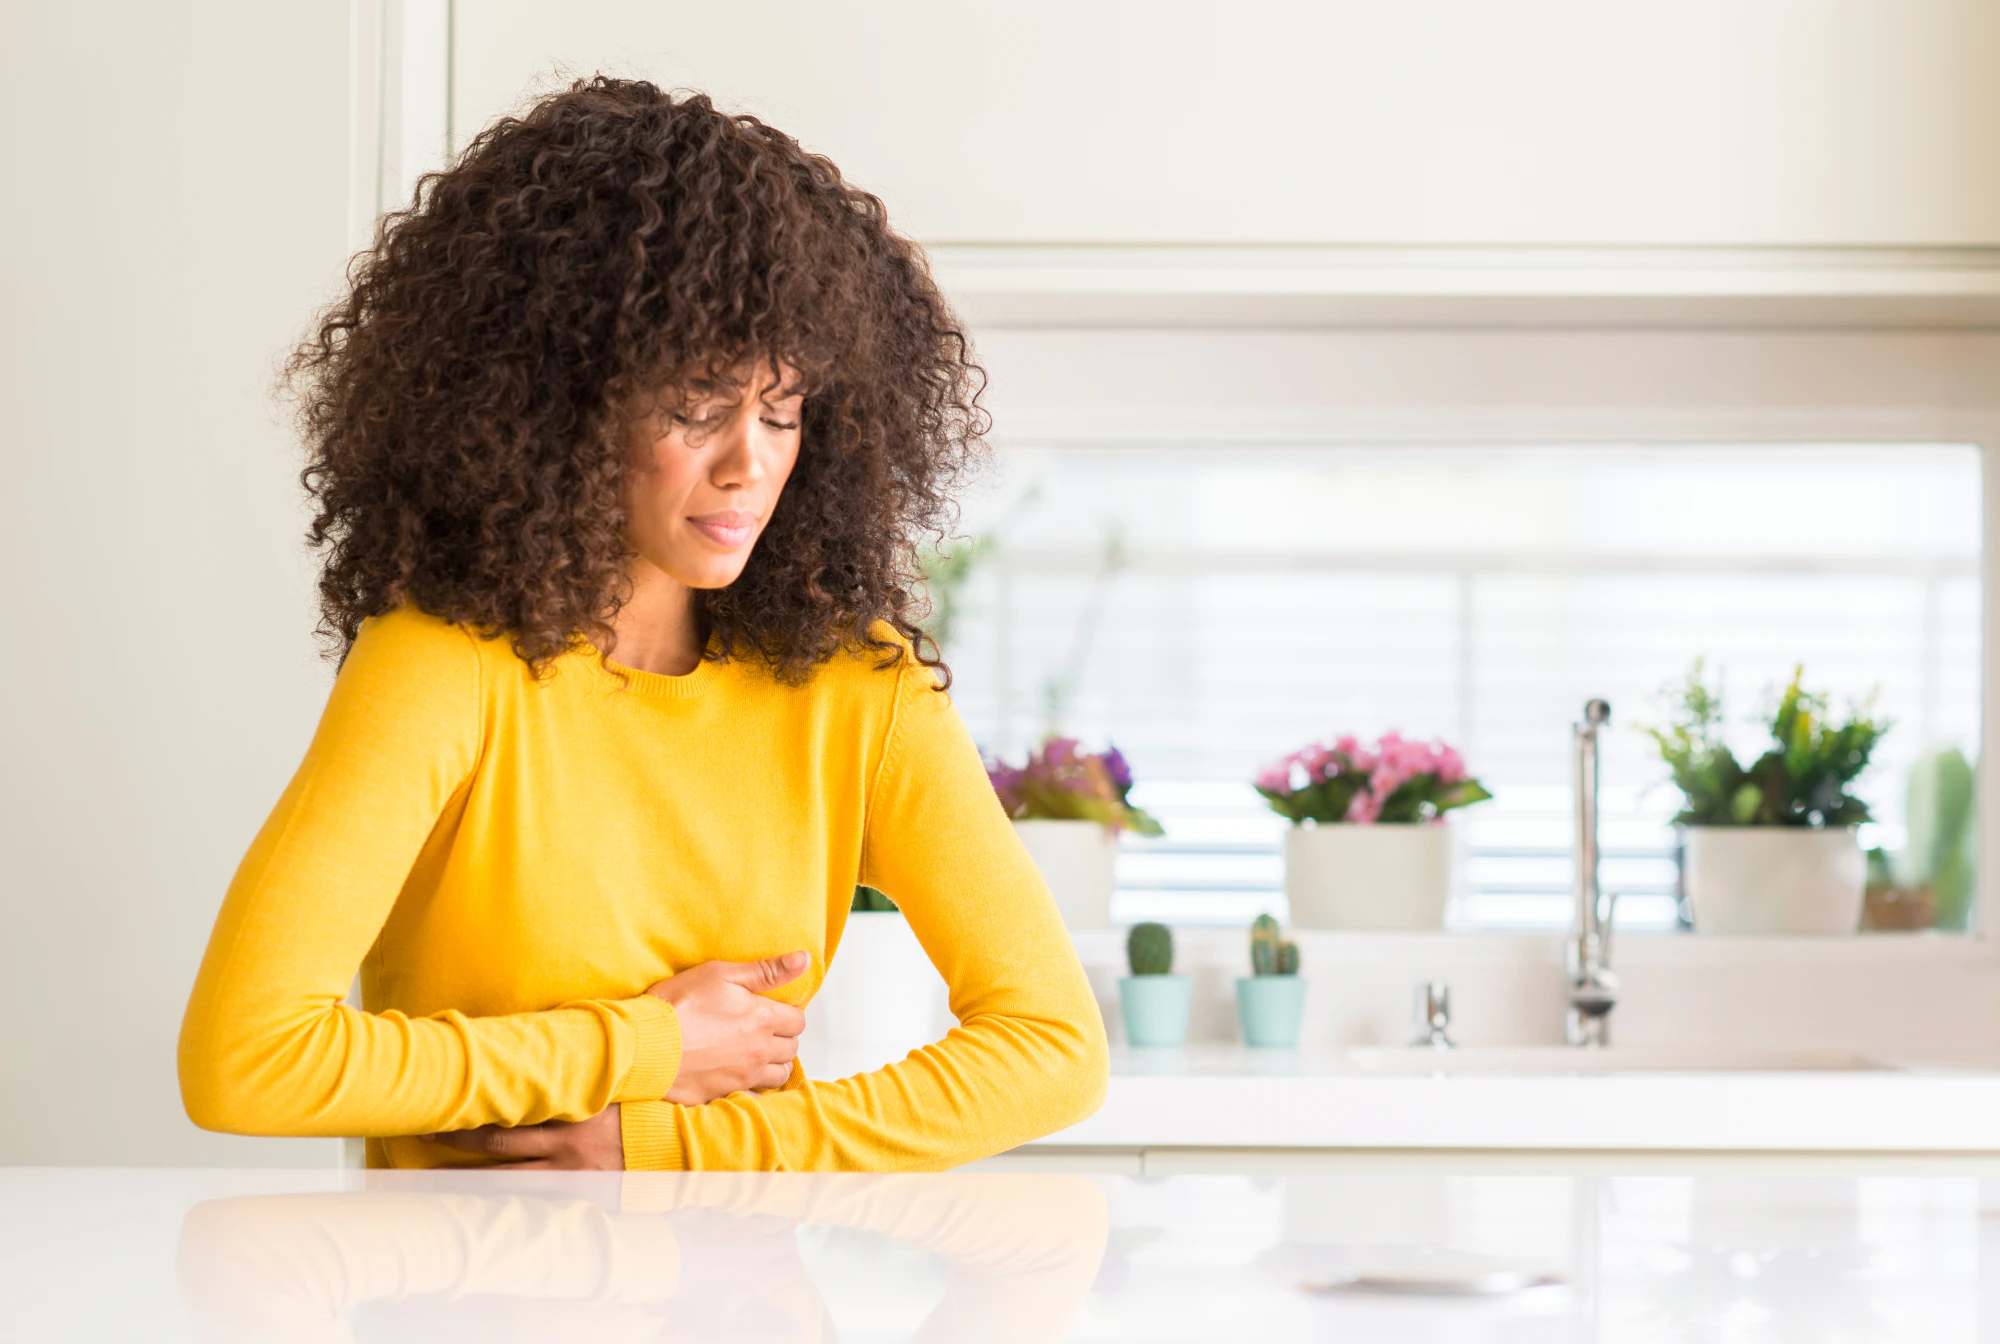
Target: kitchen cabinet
[{"x": 1550, "y": 123}]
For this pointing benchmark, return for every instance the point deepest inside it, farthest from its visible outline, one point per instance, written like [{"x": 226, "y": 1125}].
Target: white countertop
[
  {"x": 1546, "y": 1098},
  {"x": 489, "y": 1257}
]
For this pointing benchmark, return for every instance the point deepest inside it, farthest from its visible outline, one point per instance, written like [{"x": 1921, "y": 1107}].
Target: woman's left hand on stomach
[{"x": 595, "y": 1144}]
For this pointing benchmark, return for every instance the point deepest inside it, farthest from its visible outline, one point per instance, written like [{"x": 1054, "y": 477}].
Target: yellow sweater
[{"x": 510, "y": 863}]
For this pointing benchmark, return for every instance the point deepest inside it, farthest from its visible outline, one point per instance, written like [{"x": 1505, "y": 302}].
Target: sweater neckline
[{"x": 615, "y": 676}]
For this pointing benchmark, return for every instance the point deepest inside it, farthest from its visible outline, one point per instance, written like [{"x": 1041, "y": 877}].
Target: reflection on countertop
[
  {"x": 1727, "y": 1250},
  {"x": 638, "y": 1257}
]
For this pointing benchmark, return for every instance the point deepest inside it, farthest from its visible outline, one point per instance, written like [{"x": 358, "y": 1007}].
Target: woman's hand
[
  {"x": 733, "y": 1038},
  {"x": 595, "y": 1144}
]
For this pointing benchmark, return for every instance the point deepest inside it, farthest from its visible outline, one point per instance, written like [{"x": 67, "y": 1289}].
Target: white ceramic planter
[
  {"x": 1343, "y": 876},
  {"x": 1079, "y": 861},
  {"x": 1774, "y": 879},
  {"x": 882, "y": 998}
]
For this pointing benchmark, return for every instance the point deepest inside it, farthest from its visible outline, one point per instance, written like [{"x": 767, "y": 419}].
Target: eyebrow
[{"x": 702, "y": 389}]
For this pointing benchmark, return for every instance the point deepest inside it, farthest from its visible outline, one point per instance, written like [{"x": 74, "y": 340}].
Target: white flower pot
[
  {"x": 1079, "y": 861},
  {"x": 881, "y": 999},
  {"x": 1344, "y": 876},
  {"x": 1774, "y": 879}
]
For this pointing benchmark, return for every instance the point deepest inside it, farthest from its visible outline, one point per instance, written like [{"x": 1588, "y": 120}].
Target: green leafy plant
[
  {"x": 944, "y": 571},
  {"x": 1942, "y": 845},
  {"x": 1802, "y": 780},
  {"x": 869, "y": 900},
  {"x": 947, "y": 566},
  {"x": 1271, "y": 953},
  {"x": 1149, "y": 948}
]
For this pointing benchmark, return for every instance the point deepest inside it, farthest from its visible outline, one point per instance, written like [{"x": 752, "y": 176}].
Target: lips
[{"x": 728, "y": 529}]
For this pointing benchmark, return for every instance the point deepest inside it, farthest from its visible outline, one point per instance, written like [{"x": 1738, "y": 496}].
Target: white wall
[
  {"x": 177, "y": 184},
  {"x": 1342, "y": 121}
]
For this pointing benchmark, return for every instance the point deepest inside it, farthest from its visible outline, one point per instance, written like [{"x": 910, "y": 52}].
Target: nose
[{"x": 736, "y": 464}]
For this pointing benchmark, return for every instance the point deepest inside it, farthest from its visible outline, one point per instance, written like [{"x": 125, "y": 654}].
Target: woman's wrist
[
  {"x": 649, "y": 1133},
  {"x": 656, "y": 1048}
]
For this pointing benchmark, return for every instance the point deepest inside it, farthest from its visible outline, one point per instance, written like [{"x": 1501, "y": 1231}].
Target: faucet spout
[{"x": 1593, "y": 989}]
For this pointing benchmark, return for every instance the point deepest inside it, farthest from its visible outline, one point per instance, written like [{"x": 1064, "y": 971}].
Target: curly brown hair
[{"x": 464, "y": 404}]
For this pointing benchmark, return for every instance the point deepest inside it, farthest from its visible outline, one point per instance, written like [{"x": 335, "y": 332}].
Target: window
[{"x": 1210, "y": 608}]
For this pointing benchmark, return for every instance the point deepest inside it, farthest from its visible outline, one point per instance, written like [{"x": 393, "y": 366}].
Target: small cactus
[
  {"x": 1270, "y": 952},
  {"x": 1150, "y": 949},
  {"x": 1264, "y": 946}
]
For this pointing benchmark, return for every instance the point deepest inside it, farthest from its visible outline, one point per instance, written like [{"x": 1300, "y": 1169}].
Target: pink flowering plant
[
  {"x": 1396, "y": 781},
  {"x": 1062, "y": 782}
]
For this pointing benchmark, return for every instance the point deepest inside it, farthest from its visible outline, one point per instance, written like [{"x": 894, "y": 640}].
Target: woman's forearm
[
  {"x": 988, "y": 1086},
  {"x": 267, "y": 1047},
  {"x": 335, "y": 1070}
]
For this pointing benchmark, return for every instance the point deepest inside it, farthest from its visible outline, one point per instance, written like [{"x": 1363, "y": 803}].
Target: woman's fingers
[
  {"x": 766, "y": 974},
  {"x": 786, "y": 1020},
  {"x": 526, "y": 1141},
  {"x": 593, "y": 1144},
  {"x": 774, "y": 1076},
  {"x": 784, "y": 1049}
]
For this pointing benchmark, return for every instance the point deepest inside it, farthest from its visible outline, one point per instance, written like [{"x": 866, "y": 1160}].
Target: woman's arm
[
  {"x": 267, "y": 1047},
  {"x": 1028, "y": 1056}
]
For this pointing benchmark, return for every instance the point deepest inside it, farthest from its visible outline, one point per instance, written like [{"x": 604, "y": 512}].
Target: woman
[{"x": 619, "y": 444}]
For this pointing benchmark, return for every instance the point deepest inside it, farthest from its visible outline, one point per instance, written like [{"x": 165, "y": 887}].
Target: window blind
[{"x": 1210, "y": 608}]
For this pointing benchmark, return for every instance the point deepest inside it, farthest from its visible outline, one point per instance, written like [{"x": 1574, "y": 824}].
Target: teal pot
[
  {"x": 1270, "y": 1007},
  {"x": 1156, "y": 1008}
]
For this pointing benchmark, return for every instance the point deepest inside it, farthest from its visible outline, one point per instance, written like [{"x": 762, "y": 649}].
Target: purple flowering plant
[
  {"x": 1062, "y": 782},
  {"x": 1394, "y": 781}
]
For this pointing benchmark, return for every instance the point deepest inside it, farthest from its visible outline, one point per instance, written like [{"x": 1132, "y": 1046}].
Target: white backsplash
[
  {"x": 1856, "y": 993},
  {"x": 1895, "y": 994}
]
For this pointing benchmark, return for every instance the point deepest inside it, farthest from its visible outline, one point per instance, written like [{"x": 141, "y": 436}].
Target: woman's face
[{"x": 707, "y": 472}]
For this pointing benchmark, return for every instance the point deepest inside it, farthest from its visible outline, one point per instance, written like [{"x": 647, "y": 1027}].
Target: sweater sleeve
[
  {"x": 267, "y": 1046},
  {"x": 1028, "y": 1056}
]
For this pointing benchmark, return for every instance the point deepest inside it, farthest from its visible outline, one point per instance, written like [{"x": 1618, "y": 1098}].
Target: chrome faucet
[
  {"x": 1593, "y": 989},
  {"x": 1434, "y": 1015}
]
